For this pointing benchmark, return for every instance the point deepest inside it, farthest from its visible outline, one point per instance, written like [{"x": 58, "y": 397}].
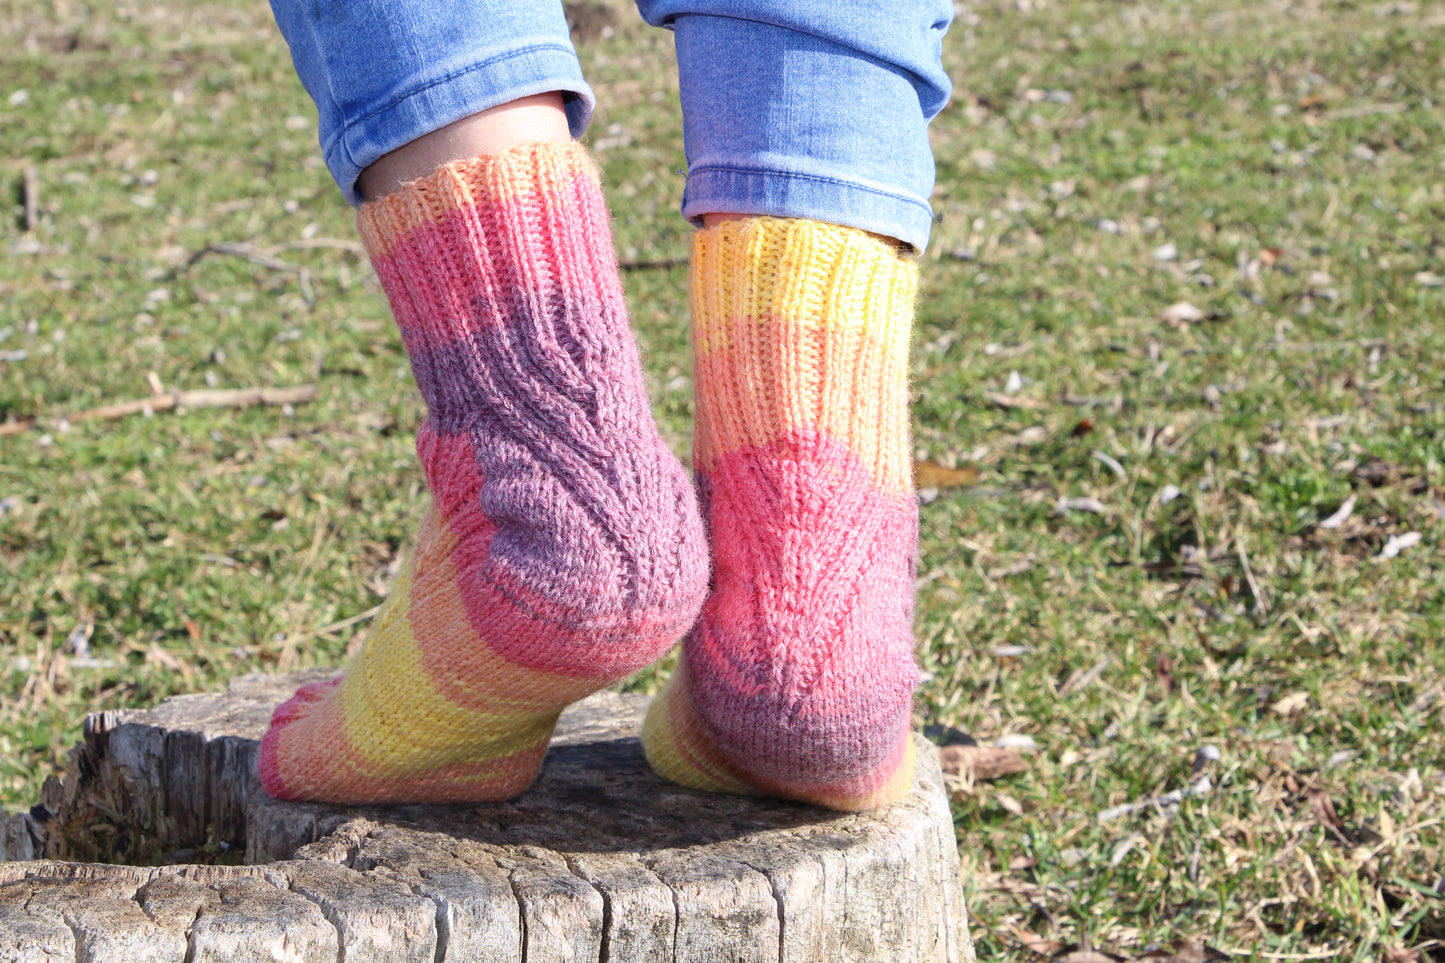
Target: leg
[
  {"x": 541, "y": 118},
  {"x": 798, "y": 679},
  {"x": 563, "y": 549}
]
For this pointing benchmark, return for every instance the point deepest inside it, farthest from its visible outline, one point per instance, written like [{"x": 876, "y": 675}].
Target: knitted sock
[
  {"x": 798, "y": 679},
  {"x": 563, "y": 549}
]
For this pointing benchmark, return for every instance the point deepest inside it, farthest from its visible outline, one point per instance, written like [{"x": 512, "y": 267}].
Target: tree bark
[{"x": 600, "y": 861}]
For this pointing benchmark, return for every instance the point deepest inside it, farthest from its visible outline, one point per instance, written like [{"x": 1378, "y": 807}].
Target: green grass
[{"x": 1291, "y": 154}]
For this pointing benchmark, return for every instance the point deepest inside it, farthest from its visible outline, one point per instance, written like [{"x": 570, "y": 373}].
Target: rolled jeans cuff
[
  {"x": 384, "y": 74},
  {"x": 355, "y": 146},
  {"x": 781, "y": 193},
  {"x": 790, "y": 112}
]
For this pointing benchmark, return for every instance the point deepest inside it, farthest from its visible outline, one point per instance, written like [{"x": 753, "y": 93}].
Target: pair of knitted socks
[{"x": 565, "y": 547}]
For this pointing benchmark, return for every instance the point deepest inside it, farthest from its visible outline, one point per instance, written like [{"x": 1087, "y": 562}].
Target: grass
[{"x": 1277, "y": 167}]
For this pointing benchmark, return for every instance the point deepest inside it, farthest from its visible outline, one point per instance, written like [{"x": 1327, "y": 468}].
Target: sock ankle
[
  {"x": 563, "y": 549},
  {"x": 798, "y": 679}
]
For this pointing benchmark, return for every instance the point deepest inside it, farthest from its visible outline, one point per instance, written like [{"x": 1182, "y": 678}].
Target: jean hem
[
  {"x": 776, "y": 193},
  {"x": 363, "y": 140}
]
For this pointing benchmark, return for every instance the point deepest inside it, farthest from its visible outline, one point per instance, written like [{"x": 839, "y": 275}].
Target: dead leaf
[
  {"x": 1164, "y": 671},
  {"x": 1270, "y": 256},
  {"x": 1377, "y": 473},
  {"x": 193, "y": 629},
  {"x": 1426, "y": 699},
  {"x": 1084, "y": 426},
  {"x": 1033, "y": 435},
  {"x": 981, "y": 762},
  {"x": 1033, "y": 941},
  {"x": 1342, "y": 513},
  {"x": 1379, "y": 830},
  {"x": 1009, "y": 803},
  {"x": 1323, "y": 809},
  {"x": 1291, "y": 703},
  {"x": 1398, "y": 543},
  {"x": 1017, "y": 740},
  {"x": 930, "y": 474}
]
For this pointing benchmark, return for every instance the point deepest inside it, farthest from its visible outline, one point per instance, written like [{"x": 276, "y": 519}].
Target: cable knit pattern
[
  {"x": 798, "y": 679},
  {"x": 563, "y": 548}
]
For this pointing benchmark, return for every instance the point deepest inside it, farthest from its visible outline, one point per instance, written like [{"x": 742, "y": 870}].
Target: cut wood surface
[{"x": 600, "y": 861}]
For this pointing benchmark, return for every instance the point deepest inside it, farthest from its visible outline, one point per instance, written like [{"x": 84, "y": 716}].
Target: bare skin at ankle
[{"x": 526, "y": 121}]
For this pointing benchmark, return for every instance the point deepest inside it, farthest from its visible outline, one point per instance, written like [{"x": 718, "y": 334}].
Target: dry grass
[{"x": 1123, "y": 557}]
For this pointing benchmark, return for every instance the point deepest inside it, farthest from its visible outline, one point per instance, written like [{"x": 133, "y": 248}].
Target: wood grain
[{"x": 600, "y": 861}]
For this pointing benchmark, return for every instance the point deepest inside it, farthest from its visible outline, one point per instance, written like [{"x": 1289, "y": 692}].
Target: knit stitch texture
[
  {"x": 798, "y": 679},
  {"x": 563, "y": 549}
]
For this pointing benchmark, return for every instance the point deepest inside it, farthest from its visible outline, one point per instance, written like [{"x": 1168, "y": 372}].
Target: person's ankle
[{"x": 537, "y": 119}]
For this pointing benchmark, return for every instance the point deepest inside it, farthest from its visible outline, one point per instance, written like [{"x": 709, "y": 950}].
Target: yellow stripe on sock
[
  {"x": 396, "y": 718},
  {"x": 814, "y": 273},
  {"x": 769, "y": 366},
  {"x": 676, "y": 748},
  {"x": 476, "y": 671}
]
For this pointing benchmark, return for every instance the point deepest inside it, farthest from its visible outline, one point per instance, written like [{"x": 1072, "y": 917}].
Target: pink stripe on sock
[
  {"x": 292, "y": 710},
  {"x": 802, "y": 663},
  {"x": 521, "y": 251}
]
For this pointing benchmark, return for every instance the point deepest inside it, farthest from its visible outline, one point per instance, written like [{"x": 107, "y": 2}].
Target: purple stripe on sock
[
  {"x": 553, "y": 360},
  {"x": 802, "y": 664}
]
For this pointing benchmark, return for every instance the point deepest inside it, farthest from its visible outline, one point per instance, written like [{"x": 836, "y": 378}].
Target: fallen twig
[
  {"x": 1086, "y": 677},
  {"x": 981, "y": 762},
  {"x": 1110, "y": 463},
  {"x": 1261, "y": 601},
  {"x": 1012, "y": 402},
  {"x": 1199, "y": 787},
  {"x": 165, "y": 401},
  {"x": 242, "y": 250},
  {"x": 1364, "y": 110},
  {"x": 334, "y": 627},
  {"x": 30, "y": 187},
  {"x": 311, "y": 243},
  {"x": 1086, "y": 503}
]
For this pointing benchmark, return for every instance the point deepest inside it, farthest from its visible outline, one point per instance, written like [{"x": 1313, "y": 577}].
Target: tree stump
[{"x": 600, "y": 861}]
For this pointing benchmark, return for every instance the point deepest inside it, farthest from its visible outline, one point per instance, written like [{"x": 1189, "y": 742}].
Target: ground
[{"x": 1178, "y": 415}]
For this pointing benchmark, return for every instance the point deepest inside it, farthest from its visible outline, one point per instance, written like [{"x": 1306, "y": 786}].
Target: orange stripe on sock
[
  {"x": 460, "y": 663},
  {"x": 511, "y": 177},
  {"x": 779, "y": 378}
]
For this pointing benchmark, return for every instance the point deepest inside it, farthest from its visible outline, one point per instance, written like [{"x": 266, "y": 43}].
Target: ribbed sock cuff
[
  {"x": 802, "y": 328},
  {"x": 520, "y": 236}
]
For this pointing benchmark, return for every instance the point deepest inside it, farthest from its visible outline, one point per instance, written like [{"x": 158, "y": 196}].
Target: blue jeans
[{"x": 793, "y": 108}]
